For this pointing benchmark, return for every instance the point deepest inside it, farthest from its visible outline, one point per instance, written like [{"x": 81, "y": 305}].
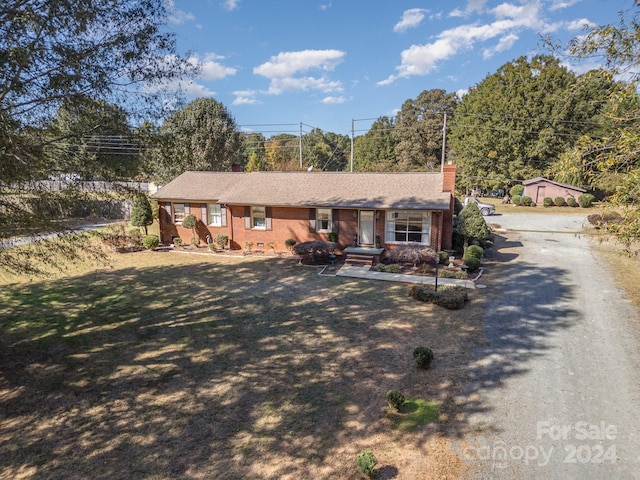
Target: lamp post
[{"x": 437, "y": 261}]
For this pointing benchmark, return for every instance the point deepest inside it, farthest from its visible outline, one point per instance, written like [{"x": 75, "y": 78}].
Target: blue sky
[{"x": 277, "y": 63}]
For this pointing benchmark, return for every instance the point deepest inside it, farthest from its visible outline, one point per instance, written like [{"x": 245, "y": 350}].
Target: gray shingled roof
[{"x": 312, "y": 189}]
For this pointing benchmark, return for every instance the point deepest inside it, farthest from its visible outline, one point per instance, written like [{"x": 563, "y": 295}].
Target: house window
[
  {"x": 323, "y": 220},
  {"x": 258, "y": 217},
  {"x": 215, "y": 215},
  {"x": 178, "y": 212},
  {"x": 408, "y": 226}
]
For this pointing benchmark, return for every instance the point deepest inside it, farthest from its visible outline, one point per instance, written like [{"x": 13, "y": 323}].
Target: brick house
[
  {"x": 379, "y": 210},
  {"x": 538, "y": 188}
]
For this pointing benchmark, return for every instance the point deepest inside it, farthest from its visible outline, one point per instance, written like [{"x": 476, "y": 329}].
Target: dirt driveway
[{"x": 557, "y": 387}]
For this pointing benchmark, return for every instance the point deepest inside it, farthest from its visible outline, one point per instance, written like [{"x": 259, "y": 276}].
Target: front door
[{"x": 367, "y": 228}]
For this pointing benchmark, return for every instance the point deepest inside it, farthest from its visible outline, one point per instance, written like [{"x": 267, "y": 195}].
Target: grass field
[{"x": 167, "y": 365}]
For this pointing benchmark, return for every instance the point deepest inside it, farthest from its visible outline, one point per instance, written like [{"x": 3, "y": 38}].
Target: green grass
[{"x": 416, "y": 412}]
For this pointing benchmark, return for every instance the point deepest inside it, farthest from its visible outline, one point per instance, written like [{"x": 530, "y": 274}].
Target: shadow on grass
[{"x": 260, "y": 369}]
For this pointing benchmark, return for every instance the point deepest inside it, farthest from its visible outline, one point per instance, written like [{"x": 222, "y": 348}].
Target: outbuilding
[{"x": 538, "y": 188}]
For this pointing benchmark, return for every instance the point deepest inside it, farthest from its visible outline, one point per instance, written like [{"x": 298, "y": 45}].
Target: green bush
[
  {"x": 516, "y": 190},
  {"x": 586, "y": 200},
  {"x": 134, "y": 232},
  {"x": 442, "y": 257},
  {"x": 395, "y": 399},
  {"x": 548, "y": 202},
  {"x": 423, "y": 357},
  {"x": 572, "y": 202},
  {"x": 333, "y": 237},
  {"x": 526, "y": 201},
  {"x": 177, "y": 241},
  {"x": 221, "y": 240},
  {"x": 150, "y": 242},
  {"x": 517, "y": 200},
  {"x": 560, "y": 202},
  {"x": 392, "y": 268},
  {"x": 452, "y": 298},
  {"x": 290, "y": 242},
  {"x": 444, "y": 273},
  {"x": 366, "y": 462},
  {"x": 472, "y": 263},
  {"x": 461, "y": 275},
  {"x": 475, "y": 251}
]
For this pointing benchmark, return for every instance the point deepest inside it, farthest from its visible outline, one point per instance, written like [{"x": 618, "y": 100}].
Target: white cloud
[
  {"x": 473, "y": 6},
  {"x": 560, "y": 4},
  {"x": 333, "y": 100},
  {"x": 245, "y": 97},
  {"x": 423, "y": 59},
  {"x": 230, "y": 4},
  {"x": 195, "y": 90},
  {"x": 504, "y": 44},
  {"x": 410, "y": 19},
  {"x": 325, "y": 6},
  {"x": 211, "y": 68},
  {"x": 285, "y": 69},
  {"x": 177, "y": 16},
  {"x": 580, "y": 24}
]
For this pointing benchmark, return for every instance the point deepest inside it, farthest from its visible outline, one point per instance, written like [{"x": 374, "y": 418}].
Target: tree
[
  {"x": 201, "y": 136},
  {"x": 325, "y": 150},
  {"x": 190, "y": 221},
  {"x": 515, "y": 122},
  {"x": 375, "y": 150},
  {"x": 617, "y": 151},
  {"x": 141, "y": 213},
  {"x": 419, "y": 127},
  {"x": 471, "y": 224},
  {"x": 65, "y": 51},
  {"x": 253, "y": 152}
]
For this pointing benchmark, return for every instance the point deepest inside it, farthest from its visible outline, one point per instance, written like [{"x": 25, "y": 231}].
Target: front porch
[{"x": 363, "y": 256}]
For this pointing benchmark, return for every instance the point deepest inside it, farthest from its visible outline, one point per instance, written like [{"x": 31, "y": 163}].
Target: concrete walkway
[{"x": 356, "y": 271}]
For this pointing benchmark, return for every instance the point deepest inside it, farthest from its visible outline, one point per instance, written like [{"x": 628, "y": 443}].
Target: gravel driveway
[{"x": 556, "y": 390}]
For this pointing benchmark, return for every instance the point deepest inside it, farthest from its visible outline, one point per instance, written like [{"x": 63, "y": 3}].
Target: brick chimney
[{"x": 449, "y": 178}]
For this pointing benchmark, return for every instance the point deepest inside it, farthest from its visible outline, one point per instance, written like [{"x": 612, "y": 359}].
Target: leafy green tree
[
  {"x": 65, "y": 51},
  {"x": 615, "y": 153},
  {"x": 201, "y": 136},
  {"x": 375, "y": 150},
  {"x": 517, "y": 121},
  {"x": 253, "y": 152},
  {"x": 190, "y": 221},
  {"x": 471, "y": 224},
  {"x": 419, "y": 127},
  {"x": 325, "y": 150},
  {"x": 282, "y": 152},
  {"x": 141, "y": 213}
]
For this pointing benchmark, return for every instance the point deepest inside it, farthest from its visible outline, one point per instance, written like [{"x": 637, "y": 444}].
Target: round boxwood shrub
[
  {"x": 572, "y": 202},
  {"x": 366, "y": 462},
  {"x": 150, "y": 242},
  {"x": 177, "y": 241},
  {"x": 472, "y": 263},
  {"x": 517, "y": 200},
  {"x": 290, "y": 242},
  {"x": 526, "y": 201},
  {"x": 548, "y": 202},
  {"x": 423, "y": 356},
  {"x": 560, "y": 202},
  {"x": 395, "y": 399},
  {"x": 516, "y": 190},
  {"x": 442, "y": 257},
  {"x": 586, "y": 200},
  {"x": 221, "y": 240},
  {"x": 474, "y": 251}
]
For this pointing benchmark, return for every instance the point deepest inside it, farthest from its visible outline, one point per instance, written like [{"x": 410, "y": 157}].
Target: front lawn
[{"x": 163, "y": 366}]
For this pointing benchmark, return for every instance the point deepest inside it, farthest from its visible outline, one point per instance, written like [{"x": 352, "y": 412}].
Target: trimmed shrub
[
  {"x": 516, "y": 191},
  {"x": 290, "y": 242},
  {"x": 221, "y": 240},
  {"x": 333, "y": 237},
  {"x": 461, "y": 275},
  {"x": 526, "y": 201},
  {"x": 572, "y": 202},
  {"x": 177, "y": 241},
  {"x": 410, "y": 254},
  {"x": 392, "y": 268},
  {"x": 150, "y": 242},
  {"x": 452, "y": 298},
  {"x": 366, "y": 462},
  {"x": 560, "y": 202},
  {"x": 475, "y": 251},
  {"x": 423, "y": 357},
  {"x": 586, "y": 200},
  {"x": 472, "y": 263},
  {"x": 315, "y": 251},
  {"x": 442, "y": 257},
  {"x": 517, "y": 200},
  {"x": 444, "y": 273},
  {"x": 548, "y": 202},
  {"x": 395, "y": 399}
]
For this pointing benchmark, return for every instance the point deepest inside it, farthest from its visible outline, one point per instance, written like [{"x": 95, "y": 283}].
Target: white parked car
[{"x": 485, "y": 208}]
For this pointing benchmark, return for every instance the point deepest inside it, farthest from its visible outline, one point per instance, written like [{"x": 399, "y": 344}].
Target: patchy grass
[
  {"x": 165, "y": 365},
  {"x": 416, "y": 412}
]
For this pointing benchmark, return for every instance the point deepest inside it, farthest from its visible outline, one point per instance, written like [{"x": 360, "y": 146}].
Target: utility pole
[
  {"x": 444, "y": 140},
  {"x": 352, "y": 134},
  {"x": 300, "y": 145}
]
